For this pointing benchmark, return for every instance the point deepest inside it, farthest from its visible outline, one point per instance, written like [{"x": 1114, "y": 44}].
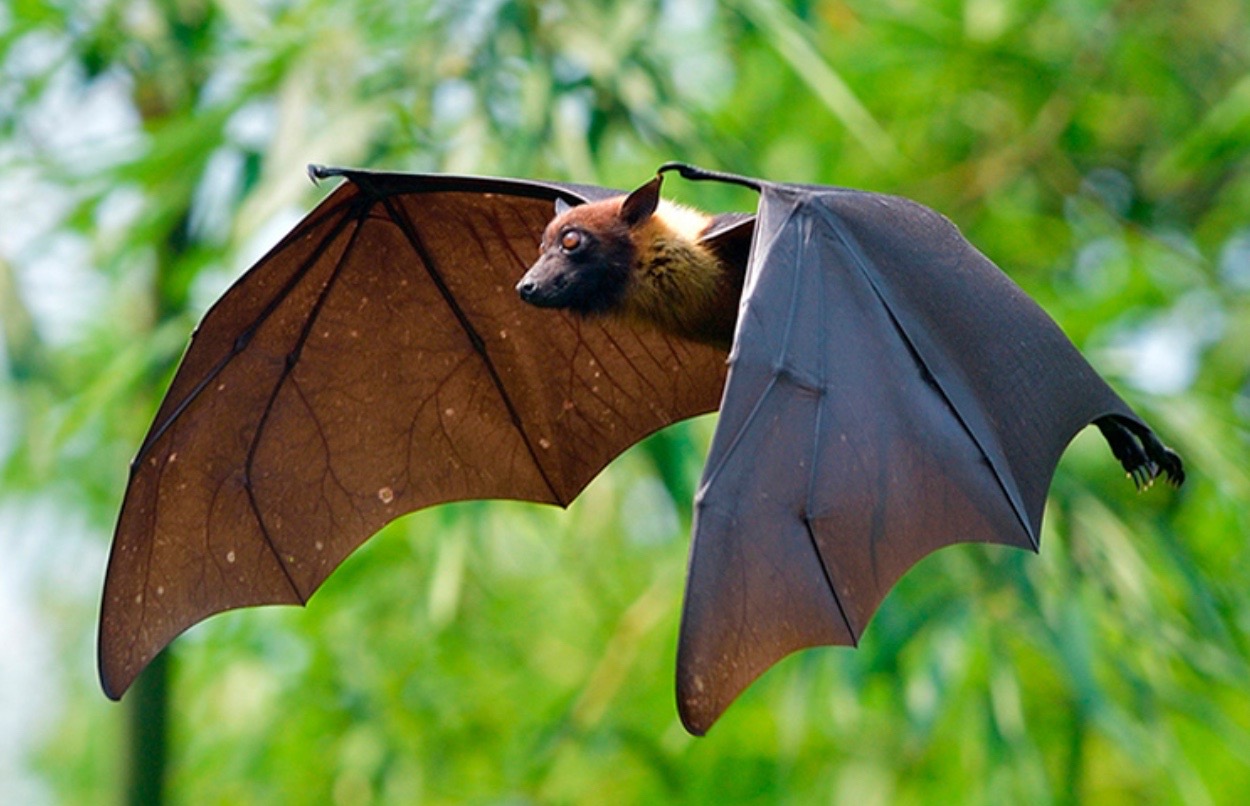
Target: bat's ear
[
  {"x": 639, "y": 205},
  {"x": 562, "y": 206}
]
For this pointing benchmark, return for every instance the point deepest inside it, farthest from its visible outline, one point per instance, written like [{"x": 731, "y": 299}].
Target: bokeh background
[{"x": 150, "y": 150}]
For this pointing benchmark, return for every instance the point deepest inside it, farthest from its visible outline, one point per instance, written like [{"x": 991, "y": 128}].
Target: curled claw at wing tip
[{"x": 317, "y": 172}]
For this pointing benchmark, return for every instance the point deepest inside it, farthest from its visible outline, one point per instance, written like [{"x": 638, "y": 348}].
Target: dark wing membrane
[
  {"x": 1017, "y": 382},
  {"x": 890, "y": 392},
  {"x": 375, "y": 362}
]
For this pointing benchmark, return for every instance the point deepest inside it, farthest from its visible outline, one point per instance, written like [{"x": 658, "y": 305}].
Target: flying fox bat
[{"x": 884, "y": 391}]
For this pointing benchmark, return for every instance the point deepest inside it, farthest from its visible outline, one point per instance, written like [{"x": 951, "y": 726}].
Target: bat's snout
[{"x": 544, "y": 285}]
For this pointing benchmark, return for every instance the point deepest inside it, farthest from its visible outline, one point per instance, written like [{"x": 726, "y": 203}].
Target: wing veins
[
  {"x": 475, "y": 339},
  {"x": 291, "y": 361},
  {"x": 242, "y": 341}
]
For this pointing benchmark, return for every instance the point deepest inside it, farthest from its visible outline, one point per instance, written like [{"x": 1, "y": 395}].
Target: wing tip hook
[
  {"x": 697, "y": 174},
  {"x": 317, "y": 172}
]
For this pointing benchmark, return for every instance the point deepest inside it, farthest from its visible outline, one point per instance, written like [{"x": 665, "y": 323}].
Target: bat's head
[{"x": 587, "y": 253}]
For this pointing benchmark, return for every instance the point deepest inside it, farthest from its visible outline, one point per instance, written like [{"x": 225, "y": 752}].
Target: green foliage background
[{"x": 494, "y": 652}]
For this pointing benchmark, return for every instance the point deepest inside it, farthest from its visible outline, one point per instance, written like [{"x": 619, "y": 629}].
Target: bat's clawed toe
[
  {"x": 1162, "y": 459},
  {"x": 1143, "y": 457},
  {"x": 1169, "y": 462}
]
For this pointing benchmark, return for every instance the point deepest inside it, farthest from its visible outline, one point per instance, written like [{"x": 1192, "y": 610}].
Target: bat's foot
[{"x": 1141, "y": 453}]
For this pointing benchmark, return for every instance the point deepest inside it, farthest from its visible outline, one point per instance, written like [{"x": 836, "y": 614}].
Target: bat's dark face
[{"x": 584, "y": 261}]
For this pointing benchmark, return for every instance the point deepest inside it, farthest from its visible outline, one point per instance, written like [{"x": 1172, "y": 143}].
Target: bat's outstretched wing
[
  {"x": 890, "y": 392},
  {"x": 376, "y": 361}
]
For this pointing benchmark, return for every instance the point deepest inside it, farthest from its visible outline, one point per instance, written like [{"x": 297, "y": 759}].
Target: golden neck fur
[{"x": 676, "y": 283}]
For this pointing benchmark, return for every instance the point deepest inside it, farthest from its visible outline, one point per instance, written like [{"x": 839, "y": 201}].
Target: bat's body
[{"x": 889, "y": 392}]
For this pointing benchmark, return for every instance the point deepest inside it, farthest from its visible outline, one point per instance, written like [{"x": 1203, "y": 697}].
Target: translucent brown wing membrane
[{"x": 377, "y": 361}]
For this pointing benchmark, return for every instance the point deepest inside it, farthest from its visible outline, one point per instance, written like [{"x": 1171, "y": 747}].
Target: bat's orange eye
[{"x": 570, "y": 240}]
